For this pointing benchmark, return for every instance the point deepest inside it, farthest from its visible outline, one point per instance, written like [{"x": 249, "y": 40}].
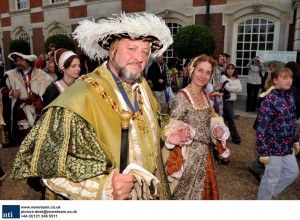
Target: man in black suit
[{"x": 157, "y": 78}]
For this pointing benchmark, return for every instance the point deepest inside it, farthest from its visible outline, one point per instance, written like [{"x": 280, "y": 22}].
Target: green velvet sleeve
[{"x": 61, "y": 144}]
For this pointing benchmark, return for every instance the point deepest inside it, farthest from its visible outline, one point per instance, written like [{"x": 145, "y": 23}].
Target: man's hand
[
  {"x": 161, "y": 81},
  {"x": 122, "y": 185},
  {"x": 179, "y": 135},
  {"x": 264, "y": 160},
  {"x": 15, "y": 93}
]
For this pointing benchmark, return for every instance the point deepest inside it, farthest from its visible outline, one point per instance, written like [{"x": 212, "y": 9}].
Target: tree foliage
[
  {"x": 61, "y": 41},
  {"x": 194, "y": 40},
  {"x": 20, "y": 46}
]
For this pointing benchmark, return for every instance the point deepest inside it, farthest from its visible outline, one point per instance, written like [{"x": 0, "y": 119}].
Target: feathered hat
[
  {"x": 61, "y": 55},
  {"x": 14, "y": 55},
  {"x": 95, "y": 38}
]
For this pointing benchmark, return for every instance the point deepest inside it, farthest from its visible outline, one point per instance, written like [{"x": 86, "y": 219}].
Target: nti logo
[{"x": 10, "y": 211}]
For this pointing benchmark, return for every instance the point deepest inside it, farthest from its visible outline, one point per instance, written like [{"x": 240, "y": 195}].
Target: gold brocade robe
[{"x": 94, "y": 99}]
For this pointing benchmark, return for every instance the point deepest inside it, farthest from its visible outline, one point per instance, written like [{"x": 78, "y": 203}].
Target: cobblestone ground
[{"x": 234, "y": 181}]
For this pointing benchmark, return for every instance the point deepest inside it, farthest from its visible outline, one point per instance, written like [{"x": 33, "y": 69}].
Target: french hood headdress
[{"x": 61, "y": 55}]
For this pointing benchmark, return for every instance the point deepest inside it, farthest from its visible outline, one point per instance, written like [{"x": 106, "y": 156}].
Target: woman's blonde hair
[
  {"x": 199, "y": 59},
  {"x": 275, "y": 74}
]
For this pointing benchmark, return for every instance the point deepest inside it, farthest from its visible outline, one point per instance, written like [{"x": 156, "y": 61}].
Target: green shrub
[
  {"x": 61, "y": 41},
  {"x": 194, "y": 40},
  {"x": 20, "y": 46}
]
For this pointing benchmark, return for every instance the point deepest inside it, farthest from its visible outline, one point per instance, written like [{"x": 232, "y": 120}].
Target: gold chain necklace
[
  {"x": 195, "y": 97},
  {"x": 116, "y": 107}
]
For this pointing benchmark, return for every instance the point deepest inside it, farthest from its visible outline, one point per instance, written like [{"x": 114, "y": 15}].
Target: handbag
[{"x": 226, "y": 93}]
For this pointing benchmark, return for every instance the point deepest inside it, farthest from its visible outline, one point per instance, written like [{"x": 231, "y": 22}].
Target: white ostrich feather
[{"x": 89, "y": 33}]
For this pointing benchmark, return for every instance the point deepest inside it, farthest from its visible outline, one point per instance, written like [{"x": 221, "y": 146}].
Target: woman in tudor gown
[{"x": 196, "y": 180}]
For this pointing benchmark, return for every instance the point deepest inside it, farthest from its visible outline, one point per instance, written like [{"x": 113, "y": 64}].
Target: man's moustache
[{"x": 135, "y": 63}]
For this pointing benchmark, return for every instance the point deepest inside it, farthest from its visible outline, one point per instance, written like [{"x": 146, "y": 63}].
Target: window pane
[
  {"x": 256, "y": 21},
  {"x": 263, "y": 29},
  {"x": 240, "y": 37},
  {"x": 248, "y": 29},
  {"x": 247, "y": 46},
  {"x": 247, "y": 37},
  {"x": 255, "y": 29},
  {"x": 271, "y": 28},
  {"x": 269, "y": 46},
  {"x": 262, "y": 47},
  {"x": 262, "y": 37},
  {"x": 254, "y": 46},
  {"x": 270, "y": 37},
  {"x": 255, "y": 37},
  {"x": 263, "y": 21},
  {"x": 239, "y": 55},
  {"x": 240, "y": 46},
  {"x": 241, "y": 29},
  {"x": 247, "y": 57},
  {"x": 239, "y": 62}
]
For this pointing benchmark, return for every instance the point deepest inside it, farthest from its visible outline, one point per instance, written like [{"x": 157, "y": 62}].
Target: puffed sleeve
[{"x": 63, "y": 148}]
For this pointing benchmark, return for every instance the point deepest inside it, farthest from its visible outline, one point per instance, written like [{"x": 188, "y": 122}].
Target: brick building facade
[{"x": 36, "y": 20}]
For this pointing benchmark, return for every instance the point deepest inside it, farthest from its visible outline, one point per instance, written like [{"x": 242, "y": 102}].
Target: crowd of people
[{"x": 115, "y": 133}]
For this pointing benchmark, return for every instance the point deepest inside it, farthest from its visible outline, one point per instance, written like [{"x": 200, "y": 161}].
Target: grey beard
[{"x": 127, "y": 76}]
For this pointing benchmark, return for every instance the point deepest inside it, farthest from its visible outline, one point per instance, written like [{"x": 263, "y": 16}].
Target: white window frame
[
  {"x": 245, "y": 46},
  {"x": 59, "y": 31},
  {"x": 24, "y": 4},
  {"x": 24, "y": 36},
  {"x": 174, "y": 28}
]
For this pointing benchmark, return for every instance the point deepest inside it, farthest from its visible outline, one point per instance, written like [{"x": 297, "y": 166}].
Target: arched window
[
  {"x": 59, "y": 31},
  {"x": 24, "y": 36},
  {"x": 252, "y": 35},
  {"x": 174, "y": 28}
]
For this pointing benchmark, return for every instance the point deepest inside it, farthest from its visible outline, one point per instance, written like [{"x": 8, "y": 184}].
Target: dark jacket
[
  {"x": 154, "y": 74},
  {"x": 276, "y": 124}
]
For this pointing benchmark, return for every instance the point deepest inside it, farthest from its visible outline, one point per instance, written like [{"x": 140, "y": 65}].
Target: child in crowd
[{"x": 276, "y": 136}]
